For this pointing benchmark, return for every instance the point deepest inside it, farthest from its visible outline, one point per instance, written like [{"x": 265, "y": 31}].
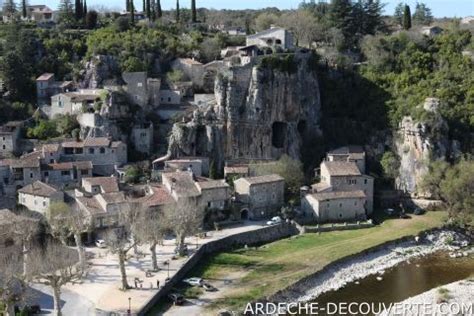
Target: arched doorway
[{"x": 244, "y": 214}]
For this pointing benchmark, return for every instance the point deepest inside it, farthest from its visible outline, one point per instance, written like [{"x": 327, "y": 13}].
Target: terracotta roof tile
[
  {"x": 107, "y": 184},
  {"x": 342, "y": 168},
  {"x": 339, "y": 195},
  {"x": 39, "y": 188}
]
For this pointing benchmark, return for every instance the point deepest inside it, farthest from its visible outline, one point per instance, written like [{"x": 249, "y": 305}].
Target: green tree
[
  {"x": 15, "y": 74},
  {"x": 91, "y": 19},
  {"x": 24, "y": 9},
  {"x": 84, "y": 9},
  {"x": 132, "y": 13},
  {"x": 390, "y": 164},
  {"x": 133, "y": 64},
  {"x": 265, "y": 20},
  {"x": 148, "y": 9},
  {"x": 193, "y": 11},
  {"x": 159, "y": 12},
  {"x": 398, "y": 14},
  {"x": 66, "y": 13},
  {"x": 373, "y": 16},
  {"x": 422, "y": 15},
  {"x": 44, "y": 130},
  {"x": 431, "y": 182},
  {"x": 177, "y": 11},
  {"x": 406, "y": 17},
  {"x": 78, "y": 7}
]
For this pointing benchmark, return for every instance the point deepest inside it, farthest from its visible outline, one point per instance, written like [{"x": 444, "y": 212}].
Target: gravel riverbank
[
  {"x": 377, "y": 262},
  {"x": 451, "y": 299}
]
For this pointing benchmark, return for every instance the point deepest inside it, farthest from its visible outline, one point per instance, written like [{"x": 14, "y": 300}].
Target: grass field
[{"x": 275, "y": 266}]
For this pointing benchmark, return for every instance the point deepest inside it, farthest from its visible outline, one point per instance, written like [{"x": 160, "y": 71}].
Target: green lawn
[{"x": 272, "y": 267}]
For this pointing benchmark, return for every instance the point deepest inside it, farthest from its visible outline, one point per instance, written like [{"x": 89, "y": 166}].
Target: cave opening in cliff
[
  {"x": 279, "y": 134},
  {"x": 302, "y": 127},
  {"x": 201, "y": 141}
]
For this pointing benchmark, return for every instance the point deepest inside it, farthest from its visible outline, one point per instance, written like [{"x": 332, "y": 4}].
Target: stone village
[{"x": 213, "y": 136}]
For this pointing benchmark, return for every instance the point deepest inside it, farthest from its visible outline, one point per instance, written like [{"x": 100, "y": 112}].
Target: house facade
[
  {"x": 46, "y": 86},
  {"x": 142, "y": 90},
  {"x": 273, "y": 37},
  {"x": 142, "y": 137},
  {"x": 38, "y": 196},
  {"x": 9, "y": 138},
  {"x": 260, "y": 196},
  {"x": 344, "y": 193},
  {"x": 75, "y": 102}
]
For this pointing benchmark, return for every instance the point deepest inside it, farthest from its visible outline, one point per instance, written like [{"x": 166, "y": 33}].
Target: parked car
[
  {"x": 275, "y": 220},
  {"x": 418, "y": 211},
  {"x": 100, "y": 243},
  {"x": 194, "y": 281},
  {"x": 209, "y": 287},
  {"x": 176, "y": 298}
]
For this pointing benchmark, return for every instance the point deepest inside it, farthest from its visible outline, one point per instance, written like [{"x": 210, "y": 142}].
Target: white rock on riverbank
[
  {"x": 376, "y": 262},
  {"x": 452, "y": 299}
]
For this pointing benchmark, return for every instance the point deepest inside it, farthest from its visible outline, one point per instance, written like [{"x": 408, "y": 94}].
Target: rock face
[
  {"x": 99, "y": 69},
  {"x": 417, "y": 144},
  {"x": 259, "y": 113}
]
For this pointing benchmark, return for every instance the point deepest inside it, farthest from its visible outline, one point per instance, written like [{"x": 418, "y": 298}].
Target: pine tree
[
  {"x": 127, "y": 5},
  {"x": 177, "y": 11},
  {"x": 406, "y": 17},
  {"x": 373, "y": 16},
  {"x": 153, "y": 10},
  {"x": 24, "y": 9},
  {"x": 193, "y": 11},
  {"x": 422, "y": 15},
  {"x": 341, "y": 17},
  {"x": 144, "y": 6},
  {"x": 398, "y": 14},
  {"x": 159, "y": 13}
]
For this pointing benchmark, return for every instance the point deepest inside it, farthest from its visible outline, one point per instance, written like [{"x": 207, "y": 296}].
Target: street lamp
[{"x": 129, "y": 306}]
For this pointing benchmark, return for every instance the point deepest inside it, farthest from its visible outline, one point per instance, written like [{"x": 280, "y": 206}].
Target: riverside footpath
[{"x": 101, "y": 286}]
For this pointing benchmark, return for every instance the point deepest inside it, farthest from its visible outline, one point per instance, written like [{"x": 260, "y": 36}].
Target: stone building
[
  {"x": 142, "y": 137},
  {"x": 142, "y": 90},
  {"x": 40, "y": 13},
  {"x": 192, "y": 69},
  {"x": 9, "y": 138},
  {"x": 47, "y": 86},
  {"x": 344, "y": 192},
  {"x": 215, "y": 194},
  {"x": 75, "y": 102},
  {"x": 66, "y": 174},
  {"x": 38, "y": 196},
  {"x": 273, "y": 37},
  {"x": 199, "y": 166},
  {"x": 96, "y": 185},
  {"x": 170, "y": 97},
  {"x": 259, "y": 197}
]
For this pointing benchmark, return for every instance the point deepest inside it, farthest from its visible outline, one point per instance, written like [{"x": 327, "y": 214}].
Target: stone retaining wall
[{"x": 258, "y": 236}]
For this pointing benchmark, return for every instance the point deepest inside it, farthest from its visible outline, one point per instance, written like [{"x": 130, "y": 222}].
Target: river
[{"x": 405, "y": 280}]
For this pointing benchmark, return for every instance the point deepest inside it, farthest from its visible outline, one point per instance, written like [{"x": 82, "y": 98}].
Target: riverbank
[
  {"x": 376, "y": 262},
  {"x": 266, "y": 270},
  {"x": 444, "y": 299}
]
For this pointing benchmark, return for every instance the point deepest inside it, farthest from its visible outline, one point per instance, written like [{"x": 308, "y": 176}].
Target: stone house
[
  {"x": 104, "y": 154},
  {"x": 199, "y": 166},
  {"x": 66, "y": 174},
  {"x": 215, "y": 194},
  {"x": 170, "y": 97},
  {"x": 155, "y": 197},
  {"x": 47, "y": 86},
  {"x": 273, "y": 37},
  {"x": 180, "y": 184},
  {"x": 192, "y": 69},
  {"x": 75, "y": 102},
  {"x": 96, "y": 185},
  {"x": 142, "y": 137},
  {"x": 38, "y": 196},
  {"x": 142, "y": 90},
  {"x": 40, "y": 13},
  {"x": 235, "y": 171},
  {"x": 344, "y": 193},
  {"x": 9, "y": 138},
  {"x": 260, "y": 196}
]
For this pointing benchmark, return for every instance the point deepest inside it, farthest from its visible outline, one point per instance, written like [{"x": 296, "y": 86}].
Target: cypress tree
[
  {"x": 127, "y": 5},
  {"x": 24, "y": 9},
  {"x": 148, "y": 9},
  {"x": 406, "y": 17},
  {"x": 78, "y": 9},
  {"x": 84, "y": 10},
  {"x": 153, "y": 10},
  {"x": 159, "y": 13},
  {"x": 132, "y": 13},
  {"x": 177, "y": 11},
  {"x": 144, "y": 6},
  {"x": 193, "y": 11}
]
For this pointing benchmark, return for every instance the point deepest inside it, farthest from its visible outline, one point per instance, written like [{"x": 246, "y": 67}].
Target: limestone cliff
[
  {"x": 99, "y": 70},
  {"x": 418, "y": 143},
  {"x": 260, "y": 112}
]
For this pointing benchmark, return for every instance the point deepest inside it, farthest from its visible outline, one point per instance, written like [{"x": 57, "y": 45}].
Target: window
[
  {"x": 4, "y": 147},
  {"x": 84, "y": 172},
  {"x": 340, "y": 204},
  {"x": 102, "y": 150},
  {"x": 169, "y": 99},
  {"x": 31, "y": 174},
  {"x": 44, "y": 203},
  {"x": 79, "y": 151},
  {"x": 65, "y": 173},
  {"x": 46, "y": 173},
  {"x": 51, "y": 161},
  {"x": 91, "y": 150},
  {"x": 365, "y": 181},
  {"x": 355, "y": 203}
]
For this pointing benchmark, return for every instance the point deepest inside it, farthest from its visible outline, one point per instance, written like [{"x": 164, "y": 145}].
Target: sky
[{"x": 440, "y": 8}]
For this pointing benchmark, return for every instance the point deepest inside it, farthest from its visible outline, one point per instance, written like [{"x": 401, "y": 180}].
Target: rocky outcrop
[
  {"x": 259, "y": 113},
  {"x": 98, "y": 71},
  {"x": 418, "y": 143}
]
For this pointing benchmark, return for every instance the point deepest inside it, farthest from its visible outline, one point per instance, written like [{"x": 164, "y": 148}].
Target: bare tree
[
  {"x": 303, "y": 24},
  {"x": 117, "y": 240},
  {"x": 65, "y": 221},
  {"x": 152, "y": 229},
  {"x": 54, "y": 266},
  {"x": 185, "y": 218},
  {"x": 23, "y": 230},
  {"x": 12, "y": 281}
]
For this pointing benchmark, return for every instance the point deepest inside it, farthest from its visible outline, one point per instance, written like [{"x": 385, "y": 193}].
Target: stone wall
[{"x": 259, "y": 236}]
